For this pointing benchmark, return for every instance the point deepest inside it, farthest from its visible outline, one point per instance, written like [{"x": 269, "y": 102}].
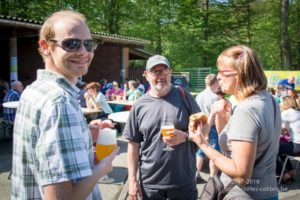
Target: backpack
[{"x": 212, "y": 189}]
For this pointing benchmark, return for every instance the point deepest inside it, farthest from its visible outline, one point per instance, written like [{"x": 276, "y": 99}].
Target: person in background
[
  {"x": 290, "y": 115},
  {"x": 162, "y": 174},
  {"x": 205, "y": 100},
  {"x": 115, "y": 93},
  {"x": 81, "y": 85},
  {"x": 140, "y": 85},
  {"x": 13, "y": 94},
  {"x": 3, "y": 91},
  {"x": 293, "y": 93},
  {"x": 53, "y": 155},
  {"x": 95, "y": 99},
  {"x": 249, "y": 138},
  {"x": 133, "y": 93},
  {"x": 105, "y": 85},
  {"x": 288, "y": 83}
]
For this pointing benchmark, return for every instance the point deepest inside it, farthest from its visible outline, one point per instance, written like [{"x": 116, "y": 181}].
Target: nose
[{"x": 82, "y": 49}]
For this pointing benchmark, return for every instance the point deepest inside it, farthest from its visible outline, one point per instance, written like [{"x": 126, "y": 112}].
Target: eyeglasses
[
  {"x": 116, "y": 85},
  {"x": 73, "y": 44},
  {"x": 156, "y": 73},
  {"x": 228, "y": 72}
]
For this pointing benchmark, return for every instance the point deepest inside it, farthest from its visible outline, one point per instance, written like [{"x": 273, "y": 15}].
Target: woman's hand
[
  {"x": 221, "y": 107},
  {"x": 200, "y": 135}
]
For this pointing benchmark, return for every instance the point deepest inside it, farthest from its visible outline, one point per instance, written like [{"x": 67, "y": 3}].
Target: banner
[
  {"x": 180, "y": 79},
  {"x": 275, "y": 76}
]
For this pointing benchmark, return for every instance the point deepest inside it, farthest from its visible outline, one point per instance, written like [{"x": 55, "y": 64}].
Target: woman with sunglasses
[
  {"x": 115, "y": 93},
  {"x": 249, "y": 136}
]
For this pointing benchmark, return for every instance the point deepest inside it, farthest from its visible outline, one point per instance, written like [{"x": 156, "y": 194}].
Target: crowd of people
[{"x": 246, "y": 140}]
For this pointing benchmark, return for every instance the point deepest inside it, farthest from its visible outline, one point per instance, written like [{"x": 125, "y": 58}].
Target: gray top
[
  {"x": 253, "y": 121},
  {"x": 205, "y": 99},
  {"x": 160, "y": 169}
]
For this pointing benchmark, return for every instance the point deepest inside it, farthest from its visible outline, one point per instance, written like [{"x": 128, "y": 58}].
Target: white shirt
[{"x": 291, "y": 120}]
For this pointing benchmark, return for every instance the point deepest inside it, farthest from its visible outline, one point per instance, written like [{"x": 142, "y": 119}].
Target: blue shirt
[{"x": 286, "y": 85}]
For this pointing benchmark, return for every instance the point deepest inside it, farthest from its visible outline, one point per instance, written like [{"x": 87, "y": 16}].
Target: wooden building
[{"x": 19, "y": 57}]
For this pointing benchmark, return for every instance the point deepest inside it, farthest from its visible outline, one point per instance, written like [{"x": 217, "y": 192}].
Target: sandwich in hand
[{"x": 195, "y": 119}]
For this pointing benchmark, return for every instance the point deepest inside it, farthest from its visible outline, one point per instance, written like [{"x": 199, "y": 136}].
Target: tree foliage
[{"x": 190, "y": 33}]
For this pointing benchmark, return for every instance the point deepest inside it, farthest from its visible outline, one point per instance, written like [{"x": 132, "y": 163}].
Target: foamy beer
[
  {"x": 166, "y": 128},
  {"x": 106, "y": 142}
]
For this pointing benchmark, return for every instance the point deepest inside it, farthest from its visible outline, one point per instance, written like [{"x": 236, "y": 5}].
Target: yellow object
[
  {"x": 275, "y": 76},
  {"x": 103, "y": 151},
  {"x": 165, "y": 129}
]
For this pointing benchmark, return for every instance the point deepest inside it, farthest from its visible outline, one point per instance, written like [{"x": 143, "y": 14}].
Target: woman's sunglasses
[{"x": 73, "y": 44}]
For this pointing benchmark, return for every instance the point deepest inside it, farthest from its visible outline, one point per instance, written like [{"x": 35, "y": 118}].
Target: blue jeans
[{"x": 213, "y": 141}]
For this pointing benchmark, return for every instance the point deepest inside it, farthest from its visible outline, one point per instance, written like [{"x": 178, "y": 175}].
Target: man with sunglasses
[
  {"x": 53, "y": 154},
  {"x": 163, "y": 174}
]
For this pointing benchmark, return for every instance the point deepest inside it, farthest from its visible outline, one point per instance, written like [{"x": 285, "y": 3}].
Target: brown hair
[
  {"x": 251, "y": 77},
  {"x": 47, "y": 30},
  {"x": 93, "y": 85}
]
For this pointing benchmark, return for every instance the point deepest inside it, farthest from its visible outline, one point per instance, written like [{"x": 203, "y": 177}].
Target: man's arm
[
  {"x": 81, "y": 189},
  {"x": 134, "y": 188}
]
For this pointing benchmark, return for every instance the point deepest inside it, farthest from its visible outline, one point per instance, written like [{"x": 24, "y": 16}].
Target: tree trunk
[
  {"x": 205, "y": 31},
  {"x": 298, "y": 38},
  {"x": 285, "y": 44}
]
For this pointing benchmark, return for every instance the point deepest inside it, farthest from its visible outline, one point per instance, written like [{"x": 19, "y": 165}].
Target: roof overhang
[
  {"x": 8, "y": 21},
  {"x": 138, "y": 54}
]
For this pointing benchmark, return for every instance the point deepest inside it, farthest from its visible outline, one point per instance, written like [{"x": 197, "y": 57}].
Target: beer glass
[
  {"x": 167, "y": 127},
  {"x": 106, "y": 142}
]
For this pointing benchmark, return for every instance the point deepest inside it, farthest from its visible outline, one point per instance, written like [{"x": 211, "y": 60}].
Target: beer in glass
[
  {"x": 106, "y": 142},
  {"x": 167, "y": 130}
]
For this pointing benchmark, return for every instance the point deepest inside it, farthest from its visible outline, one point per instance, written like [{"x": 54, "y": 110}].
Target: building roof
[{"x": 10, "y": 21}]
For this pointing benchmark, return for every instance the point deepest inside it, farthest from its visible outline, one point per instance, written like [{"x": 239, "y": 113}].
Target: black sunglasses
[{"x": 73, "y": 44}]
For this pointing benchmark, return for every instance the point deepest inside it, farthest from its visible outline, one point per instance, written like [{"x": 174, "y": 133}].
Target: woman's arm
[{"x": 239, "y": 167}]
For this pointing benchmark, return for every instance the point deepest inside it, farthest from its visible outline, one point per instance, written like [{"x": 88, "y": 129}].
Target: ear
[
  {"x": 145, "y": 74},
  {"x": 44, "y": 46}
]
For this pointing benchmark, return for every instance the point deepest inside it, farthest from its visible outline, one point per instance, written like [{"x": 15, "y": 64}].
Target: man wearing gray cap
[{"x": 162, "y": 174}]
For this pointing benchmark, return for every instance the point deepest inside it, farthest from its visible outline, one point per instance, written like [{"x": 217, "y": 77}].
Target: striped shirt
[
  {"x": 10, "y": 113},
  {"x": 52, "y": 142}
]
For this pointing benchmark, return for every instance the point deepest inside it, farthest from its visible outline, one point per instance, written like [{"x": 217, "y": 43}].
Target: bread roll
[{"x": 195, "y": 119}]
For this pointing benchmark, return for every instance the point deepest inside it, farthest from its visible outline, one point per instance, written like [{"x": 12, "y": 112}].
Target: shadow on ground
[{"x": 5, "y": 155}]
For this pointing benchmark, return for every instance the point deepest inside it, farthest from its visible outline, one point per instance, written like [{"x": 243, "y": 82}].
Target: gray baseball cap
[{"x": 156, "y": 60}]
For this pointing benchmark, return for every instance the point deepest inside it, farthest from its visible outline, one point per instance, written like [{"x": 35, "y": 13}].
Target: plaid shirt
[
  {"x": 52, "y": 142},
  {"x": 10, "y": 113}
]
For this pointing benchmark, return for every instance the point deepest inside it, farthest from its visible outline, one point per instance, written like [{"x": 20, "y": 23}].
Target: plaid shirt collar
[{"x": 59, "y": 79}]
